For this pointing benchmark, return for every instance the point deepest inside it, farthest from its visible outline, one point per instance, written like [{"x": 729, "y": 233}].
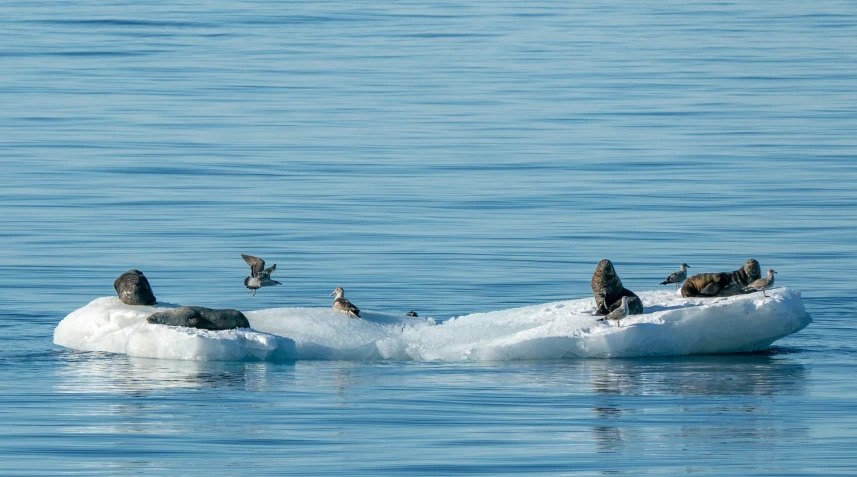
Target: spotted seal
[
  {"x": 608, "y": 291},
  {"x": 723, "y": 283},
  {"x": 133, "y": 288},
  {"x": 200, "y": 317}
]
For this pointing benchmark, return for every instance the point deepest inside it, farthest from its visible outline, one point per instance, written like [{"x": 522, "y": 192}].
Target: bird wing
[
  {"x": 271, "y": 269},
  {"x": 760, "y": 283},
  {"x": 616, "y": 314},
  {"x": 256, "y": 264}
]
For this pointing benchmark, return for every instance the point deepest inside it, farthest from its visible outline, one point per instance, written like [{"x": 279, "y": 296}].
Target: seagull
[
  {"x": 677, "y": 277},
  {"x": 343, "y": 305},
  {"x": 412, "y": 314},
  {"x": 259, "y": 275},
  {"x": 762, "y": 283},
  {"x": 618, "y": 313}
]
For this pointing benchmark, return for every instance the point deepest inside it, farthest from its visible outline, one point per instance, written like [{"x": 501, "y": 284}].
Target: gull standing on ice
[
  {"x": 677, "y": 277},
  {"x": 762, "y": 284},
  {"x": 618, "y": 313},
  {"x": 259, "y": 275},
  {"x": 342, "y": 305}
]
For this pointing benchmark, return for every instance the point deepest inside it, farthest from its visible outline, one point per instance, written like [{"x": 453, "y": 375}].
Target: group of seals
[
  {"x": 615, "y": 302},
  {"x": 133, "y": 289},
  {"x": 723, "y": 283},
  {"x": 612, "y": 299}
]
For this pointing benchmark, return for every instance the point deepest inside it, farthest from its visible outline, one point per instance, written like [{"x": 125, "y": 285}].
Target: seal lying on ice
[
  {"x": 608, "y": 291},
  {"x": 723, "y": 283},
  {"x": 133, "y": 288},
  {"x": 200, "y": 317}
]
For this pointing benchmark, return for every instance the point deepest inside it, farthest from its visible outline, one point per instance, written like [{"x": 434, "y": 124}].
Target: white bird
[
  {"x": 677, "y": 277},
  {"x": 342, "y": 305},
  {"x": 259, "y": 275},
  {"x": 618, "y": 313},
  {"x": 762, "y": 283}
]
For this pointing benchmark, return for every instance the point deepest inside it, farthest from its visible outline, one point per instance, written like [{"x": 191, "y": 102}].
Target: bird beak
[{"x": 333, "y": 293}]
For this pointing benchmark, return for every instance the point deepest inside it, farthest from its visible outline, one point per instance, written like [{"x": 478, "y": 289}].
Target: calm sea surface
[{"x": 442, "y": 157}]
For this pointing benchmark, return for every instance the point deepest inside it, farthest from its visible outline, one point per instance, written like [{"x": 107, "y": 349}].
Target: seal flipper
[{"x": 710, "y": 289}]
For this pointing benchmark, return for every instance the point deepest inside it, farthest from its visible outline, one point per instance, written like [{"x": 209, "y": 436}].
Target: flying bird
[{"x": 259, "y": 275}]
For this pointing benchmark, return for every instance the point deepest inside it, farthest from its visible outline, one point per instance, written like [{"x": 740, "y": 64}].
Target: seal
[
  {"x": 723, "y": 283},
  {"x": 133, "y": 289},
  {"x": 200, "y": 317},
  {"x": 608, "y": 291}
]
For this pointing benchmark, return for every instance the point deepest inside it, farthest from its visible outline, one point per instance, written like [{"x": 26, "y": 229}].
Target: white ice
[
  {"x": 107, "y": 324},
  {"x": 671, "y": 326}
]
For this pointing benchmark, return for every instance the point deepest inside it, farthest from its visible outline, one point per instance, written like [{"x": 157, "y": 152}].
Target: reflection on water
[
  {"x": 723, "y": 375},
  {"x": 545, "y": 417},
  {"x": 739, "y": 411},
  {"x": 92, "y": 372}
]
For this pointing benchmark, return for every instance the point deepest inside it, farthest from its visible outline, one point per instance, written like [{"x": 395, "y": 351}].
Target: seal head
[
  {"x": 723, "y": 283},
  {"x": 608, "y": 291},
  {"x": 200, "y": 317},
  {"x": 133, "y": 289}
]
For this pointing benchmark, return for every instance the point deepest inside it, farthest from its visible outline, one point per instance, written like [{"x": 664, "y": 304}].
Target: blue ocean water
[{"x": 447, "y": 158}]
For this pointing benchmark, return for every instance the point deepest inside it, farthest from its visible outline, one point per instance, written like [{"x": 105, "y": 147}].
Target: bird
[
  {"x": 259, "y": 275},
  {"x": 342, "y": 305},
  {"x": 618, "y": 313},
  {"x": 677, "y": 277},
  {"x": 762, "y": 283},
  {"x": 412, "y": 314}
]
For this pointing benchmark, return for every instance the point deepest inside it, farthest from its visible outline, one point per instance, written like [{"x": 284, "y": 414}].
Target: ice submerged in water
[{"x": 671, "y": 326}]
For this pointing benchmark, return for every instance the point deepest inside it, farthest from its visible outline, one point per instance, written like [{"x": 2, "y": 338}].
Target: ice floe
[{"x": 670, "y": 326}]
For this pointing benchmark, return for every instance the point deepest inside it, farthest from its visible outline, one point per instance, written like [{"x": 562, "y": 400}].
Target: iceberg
[
  {"x": 671, "y": 326},
  {"x": 107, "y": 324}
]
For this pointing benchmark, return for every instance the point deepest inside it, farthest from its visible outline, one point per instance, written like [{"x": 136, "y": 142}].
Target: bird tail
[{"x": 665, "y": 282}]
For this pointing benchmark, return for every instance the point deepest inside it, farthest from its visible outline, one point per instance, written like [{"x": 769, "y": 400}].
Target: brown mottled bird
[
  {"x": 762, "y": 284},
  {"x": 677, "y": 277},
  {"x": 618, "y": 313},
  {"x": 342, "y": 305},
  {"x": 259, "y": 275}
]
